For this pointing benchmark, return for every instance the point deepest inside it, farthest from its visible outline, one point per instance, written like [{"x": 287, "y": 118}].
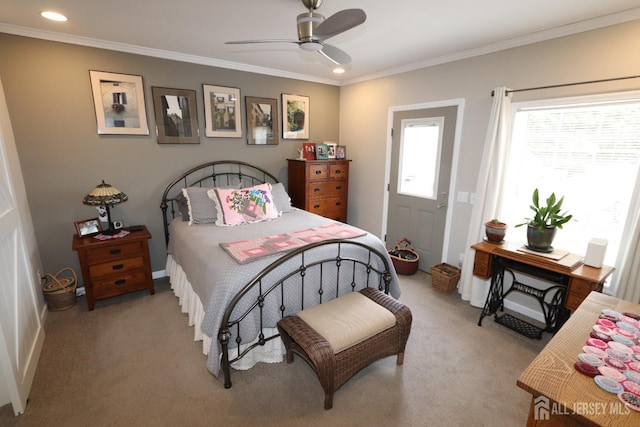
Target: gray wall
[
  {"x": 609, "y": 52},
  {"x": 62, "y": 157}
]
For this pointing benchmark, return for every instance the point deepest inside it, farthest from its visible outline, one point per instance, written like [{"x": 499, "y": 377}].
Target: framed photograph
[
  {"x": 331, "y": 149},
  {"x": 88, "y": 227},
  {"x": 309, "y": 150},
  {"x": 119, "y": 103},
  {"x": 295, "y": 116},
  {"x": 176, "y": 115},
  {"x": 262, "y": 120},
  {"x": 322, "y": 151},
  {"x": 341, "y": 151},
  {"x": 222, "y": 118}
]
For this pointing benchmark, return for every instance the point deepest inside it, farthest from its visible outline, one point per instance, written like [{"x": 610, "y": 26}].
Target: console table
[
  {"x": 561, "y": 396},
  {"x": 572, "y": 282}
]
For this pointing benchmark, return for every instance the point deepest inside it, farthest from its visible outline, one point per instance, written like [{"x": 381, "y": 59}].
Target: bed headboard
[{"x": 222, "y": 173}]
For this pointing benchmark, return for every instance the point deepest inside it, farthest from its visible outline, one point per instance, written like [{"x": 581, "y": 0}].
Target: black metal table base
[{"x": 520, "y": 326}]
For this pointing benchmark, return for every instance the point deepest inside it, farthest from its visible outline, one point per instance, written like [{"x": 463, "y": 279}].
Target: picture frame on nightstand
[{"x": 88, "y": 227}]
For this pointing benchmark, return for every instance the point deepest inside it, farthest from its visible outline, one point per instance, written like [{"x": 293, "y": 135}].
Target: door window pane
[{"x": 420, "y": 144}]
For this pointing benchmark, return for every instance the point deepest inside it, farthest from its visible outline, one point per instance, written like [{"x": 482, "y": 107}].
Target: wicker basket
[
  {"x": 405, "y": 259},
  {"x": 444, "y": 277},
  {"x": 60, "y": 292}
]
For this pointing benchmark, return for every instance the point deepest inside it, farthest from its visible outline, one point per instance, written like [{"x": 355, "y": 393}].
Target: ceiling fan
[{"x": 314, "y": 29}]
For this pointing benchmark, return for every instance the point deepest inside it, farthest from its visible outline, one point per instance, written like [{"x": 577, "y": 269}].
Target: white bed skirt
[{"x": 271, "y": 352}]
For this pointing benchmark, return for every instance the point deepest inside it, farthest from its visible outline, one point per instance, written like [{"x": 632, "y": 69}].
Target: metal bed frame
[{"x": 266, "y": 283}]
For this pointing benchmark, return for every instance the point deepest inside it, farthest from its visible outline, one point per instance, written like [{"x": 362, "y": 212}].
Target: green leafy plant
[{"x": 548, "y": 215}]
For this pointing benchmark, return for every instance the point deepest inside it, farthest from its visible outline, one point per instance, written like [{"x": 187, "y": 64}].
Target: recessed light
[
  {"x": 338, "y": 70},
  {"x": 54, "y": 16}
]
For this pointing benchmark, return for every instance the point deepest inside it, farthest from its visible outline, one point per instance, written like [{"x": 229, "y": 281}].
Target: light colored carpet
[{"x": 133, "y": 361}]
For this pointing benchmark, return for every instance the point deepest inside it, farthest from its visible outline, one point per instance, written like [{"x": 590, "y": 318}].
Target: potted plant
[
  {"x": 541, "y": 229},
  {"x": 495, "y": 230}
]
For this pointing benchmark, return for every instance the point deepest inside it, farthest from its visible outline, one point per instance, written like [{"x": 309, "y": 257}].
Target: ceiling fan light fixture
[
  {"x": 339, "y": 70},
  {"x": 311, "y": 46}
]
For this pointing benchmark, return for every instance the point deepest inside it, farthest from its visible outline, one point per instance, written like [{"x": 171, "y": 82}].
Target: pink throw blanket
[{"x": 244, "y": 251}]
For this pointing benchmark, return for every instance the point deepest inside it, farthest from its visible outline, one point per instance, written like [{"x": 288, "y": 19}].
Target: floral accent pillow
[{"x": 245, "y": 205}]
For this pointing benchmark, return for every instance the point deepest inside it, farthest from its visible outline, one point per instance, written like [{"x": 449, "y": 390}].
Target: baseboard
[
  {"x": 158, "y": 274},
  {"x": 524, "y": 310}
]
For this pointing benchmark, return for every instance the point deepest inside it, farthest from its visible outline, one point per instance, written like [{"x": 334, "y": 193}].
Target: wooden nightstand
[{"x": 114, "y": 266}]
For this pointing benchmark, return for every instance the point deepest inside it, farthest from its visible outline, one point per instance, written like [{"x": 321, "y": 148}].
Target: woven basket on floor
[
  {"x": 60, "y": 292},
  {"x": 405, "y": 259},
  {"x": 444, "y": 277}
]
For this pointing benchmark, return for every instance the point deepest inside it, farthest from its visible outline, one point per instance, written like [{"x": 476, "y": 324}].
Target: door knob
[{"x": 442, "y": 205}]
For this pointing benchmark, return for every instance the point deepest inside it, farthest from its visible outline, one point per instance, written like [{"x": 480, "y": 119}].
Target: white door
[
  {"x": 421, "y": 159},
  {"x": 21, "y": 332}
]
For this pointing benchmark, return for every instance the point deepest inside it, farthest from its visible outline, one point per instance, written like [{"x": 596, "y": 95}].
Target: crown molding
[
  {"x": 156, "y": 53},
  {"x": 565, "y": 30}
]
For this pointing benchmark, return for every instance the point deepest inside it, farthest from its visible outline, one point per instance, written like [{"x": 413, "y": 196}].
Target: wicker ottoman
[{"x": 367, "y": 325}]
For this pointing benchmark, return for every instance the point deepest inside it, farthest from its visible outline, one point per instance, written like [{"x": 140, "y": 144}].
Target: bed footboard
[{"x": 322, "y": 271}]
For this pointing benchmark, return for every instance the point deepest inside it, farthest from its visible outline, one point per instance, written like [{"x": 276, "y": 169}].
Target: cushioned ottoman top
[{"x": 348, "y": 320}]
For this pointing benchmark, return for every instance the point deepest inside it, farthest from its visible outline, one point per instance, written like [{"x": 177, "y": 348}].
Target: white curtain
[
  {"x": 626, "y": 280},
  {"x": 489, "y": 188}
]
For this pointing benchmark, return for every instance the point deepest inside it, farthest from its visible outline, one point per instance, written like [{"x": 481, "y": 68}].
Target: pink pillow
[{"x": 246, "y": 205}]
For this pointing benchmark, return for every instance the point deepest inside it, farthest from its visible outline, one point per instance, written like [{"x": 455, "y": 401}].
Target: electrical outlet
[
  {"x": 460, "y": 260},
  {"x": 39, "y": 273}
]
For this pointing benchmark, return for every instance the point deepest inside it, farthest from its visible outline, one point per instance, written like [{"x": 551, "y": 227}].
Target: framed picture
[
  {"x": 331, "y": 149},
  {"x": 341, "y": 151},
  {"x": 119, "y": 103},
  {"x": 222, "y": 118},
  {"x": 322, "y": 151},
  {"x": 176, "y": 115},
  {"x": 88, "y": 227},
  {"x": 309, "y": 150},
  {"x": 262, "y": 120},
  {"x": 295, "y": 116}
]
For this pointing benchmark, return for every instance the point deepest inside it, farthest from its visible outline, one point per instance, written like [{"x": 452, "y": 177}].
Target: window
[
  {"x": 586, "y": 149},
  {"x": 420, "y": 144}
]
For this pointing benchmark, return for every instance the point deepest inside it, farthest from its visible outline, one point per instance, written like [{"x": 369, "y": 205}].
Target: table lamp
[{"x": 105, "y": 195}]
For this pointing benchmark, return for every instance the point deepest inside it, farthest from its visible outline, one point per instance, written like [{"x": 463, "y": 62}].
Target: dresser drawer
[
  {"x": 573, "y": 301},
  {"x": 338, "y": 171},
  {"x": 318, "y": 172},
  {"x": 324, "y": 205},
  {"x": 327, "y": 189},
  {"x": 106, "y": 253},
  {"x": 116, "y": 267},
  {"x": 338, "y": 214},
  {"x": 482, "y": 265},
  {"x": 120, "y": 284}
]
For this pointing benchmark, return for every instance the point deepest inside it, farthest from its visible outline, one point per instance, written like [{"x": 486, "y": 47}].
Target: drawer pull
[
  {"x": 117, "y": 266},
  {"x": 318, "y": 172},
  {"x": 338, "y": 171},
  {"x": 316, "y": 206},
  {"x": 115, "y": 251},
  {"x": 338, "y": 203},
  {"x": 338, "y": 187},
  {"x": 316, "y": 190},
  {"x": 121, "y": 281}
]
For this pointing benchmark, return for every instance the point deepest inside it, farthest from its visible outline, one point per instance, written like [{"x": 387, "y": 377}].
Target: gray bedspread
[{"x": 216, "y": 277}]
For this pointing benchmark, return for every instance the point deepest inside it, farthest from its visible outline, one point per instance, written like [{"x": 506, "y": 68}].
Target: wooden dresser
[
  {"x": 320, "y": 186},
  {"x": 114, "y": 266}
]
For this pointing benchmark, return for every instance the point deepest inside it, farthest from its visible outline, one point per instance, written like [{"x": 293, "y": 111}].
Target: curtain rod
[{"x": 506, "y": 93}]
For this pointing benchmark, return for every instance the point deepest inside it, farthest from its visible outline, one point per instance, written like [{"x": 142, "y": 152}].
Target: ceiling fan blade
[
  {"x": 340, "y": 22},
  {"x": 335, "y": 55},
  {"x": 263, "y": 41}
]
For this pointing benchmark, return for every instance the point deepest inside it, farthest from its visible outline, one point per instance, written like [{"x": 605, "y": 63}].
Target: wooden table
[
  {"x": 574, "y": 281},
  {"x": 567, "y": 396}
]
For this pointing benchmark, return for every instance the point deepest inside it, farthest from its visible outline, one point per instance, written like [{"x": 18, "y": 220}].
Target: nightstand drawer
[
  {"x": 104, "y": 254},
  {"x": 120, "y": 284},
  {"x": 116, "y": 267},
  {"x": 318, "y": 172},
  {"x": 327, "y": 189}
]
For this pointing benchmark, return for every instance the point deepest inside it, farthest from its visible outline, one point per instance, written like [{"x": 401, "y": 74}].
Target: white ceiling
[{"x": 397, "y": 36}]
